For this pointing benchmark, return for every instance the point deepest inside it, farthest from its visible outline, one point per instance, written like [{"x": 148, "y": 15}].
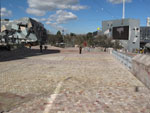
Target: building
[
  {"x": 24, "y": 30},
  {"x": 148, "y": 21},
  {"x": 125, "y": 30},
  {"x": 144, "y": 35}
]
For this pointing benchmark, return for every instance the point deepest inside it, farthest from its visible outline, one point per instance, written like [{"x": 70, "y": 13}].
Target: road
[{"x": 65, "y": 81}]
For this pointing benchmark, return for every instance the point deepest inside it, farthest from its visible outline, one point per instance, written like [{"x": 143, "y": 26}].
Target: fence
[{"x": 126, "y": 60}]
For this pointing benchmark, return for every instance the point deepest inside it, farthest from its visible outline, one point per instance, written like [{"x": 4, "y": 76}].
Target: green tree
[
  {"x": 103, "y": 41},
  {"x": 72, "y": 34},
  {"x": 51, "y": 39},
  {"x": 90, "y": 39},
  {"x": 59, "y": 37},
  {"x": 58, "y": 33}
]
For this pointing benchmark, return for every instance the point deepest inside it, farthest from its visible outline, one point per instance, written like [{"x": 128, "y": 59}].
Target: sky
[{"x": 74, "y": 16}]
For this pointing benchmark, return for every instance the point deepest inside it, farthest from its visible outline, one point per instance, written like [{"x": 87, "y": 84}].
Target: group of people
[
  {"x": 41, "y": 48},
  {"x": 45, "y": 47}
]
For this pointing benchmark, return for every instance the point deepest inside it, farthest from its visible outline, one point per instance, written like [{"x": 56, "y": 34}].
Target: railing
[{"x": 124, "y": 59}]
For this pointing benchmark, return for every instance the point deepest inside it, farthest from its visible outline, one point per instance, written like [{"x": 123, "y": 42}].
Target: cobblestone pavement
[{"x": 67, "y": 82}]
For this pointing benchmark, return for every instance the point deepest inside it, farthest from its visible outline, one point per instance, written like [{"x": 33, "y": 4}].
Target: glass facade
[{"x": 145, "y": 34}]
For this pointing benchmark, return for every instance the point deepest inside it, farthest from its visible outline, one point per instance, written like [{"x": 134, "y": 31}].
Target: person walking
[
  {"x": 80, "y": 49},
  {"x": 41, "y": 48}
]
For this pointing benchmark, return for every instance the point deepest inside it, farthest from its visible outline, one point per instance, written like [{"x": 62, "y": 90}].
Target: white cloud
[
  {"x": 48, "y": 22},
  {"x": 36, "y": 19},
  {"x": 5, "y": 12},
  {"x": 62, "y": 16},
  {"x": 39, "y": 8},
  {"x": 55, "y": 25},
  {"x": 78, "y": 7},
  {"x": 118, "y": 1},
  {"x": 36, "y": 12},
  {"x": 40, "y": 19},
  {"x": 43, "y": 19},
  {"x": 59, "y": 18}
]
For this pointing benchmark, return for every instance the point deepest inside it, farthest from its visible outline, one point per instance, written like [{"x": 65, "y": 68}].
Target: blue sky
[{"x": 77, "y": 16}]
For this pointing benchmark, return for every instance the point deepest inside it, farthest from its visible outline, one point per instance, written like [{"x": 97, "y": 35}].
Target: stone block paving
[{"x": 66, "y": 82}]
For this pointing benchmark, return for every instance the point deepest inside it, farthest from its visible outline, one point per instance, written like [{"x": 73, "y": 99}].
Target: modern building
[
  {"x": 148, "y": 21},
  {"x": 125, "y": 30},
  {"x": 24, "y": 30},
  {"x": 144, "y": 35}
]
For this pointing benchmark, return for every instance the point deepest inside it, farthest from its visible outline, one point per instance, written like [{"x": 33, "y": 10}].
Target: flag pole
[{"x": 123, "y": 11}]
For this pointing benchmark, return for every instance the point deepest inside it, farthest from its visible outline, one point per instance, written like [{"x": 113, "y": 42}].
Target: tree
[
  {"x": 58, "y": 33},
  {"x": 79, "y": 39},
  {"x": 103, "y": 41},
  {"x": 117, "y": 45},
  {"x": 72, "y": 34},
  {"x": 89, "y": 35},
  {"x": 59, "y": 37},
  {"x": 51, "y": 39},
  {"x": 90, "y": 39}
]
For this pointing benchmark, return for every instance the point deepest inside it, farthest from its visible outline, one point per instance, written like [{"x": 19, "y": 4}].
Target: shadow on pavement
[{"x": 23, "y": 53}]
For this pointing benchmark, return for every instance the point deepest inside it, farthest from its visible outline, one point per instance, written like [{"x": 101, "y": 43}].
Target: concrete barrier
[
  {"x": 141, "y": 68},
  {"x": 123, "y": 58},
  {"x": 110, "y": 50},
  {"x": 138, "y": 65}
]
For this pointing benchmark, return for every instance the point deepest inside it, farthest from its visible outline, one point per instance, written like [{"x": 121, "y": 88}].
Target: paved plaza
[{"x": 64, "y": 81}]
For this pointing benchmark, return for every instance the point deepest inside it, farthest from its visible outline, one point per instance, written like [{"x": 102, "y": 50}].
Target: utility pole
[{"x": 123, "y": 11}]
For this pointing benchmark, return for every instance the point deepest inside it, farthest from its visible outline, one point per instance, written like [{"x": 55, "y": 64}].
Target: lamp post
[{"x": 63, "y": 34}]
